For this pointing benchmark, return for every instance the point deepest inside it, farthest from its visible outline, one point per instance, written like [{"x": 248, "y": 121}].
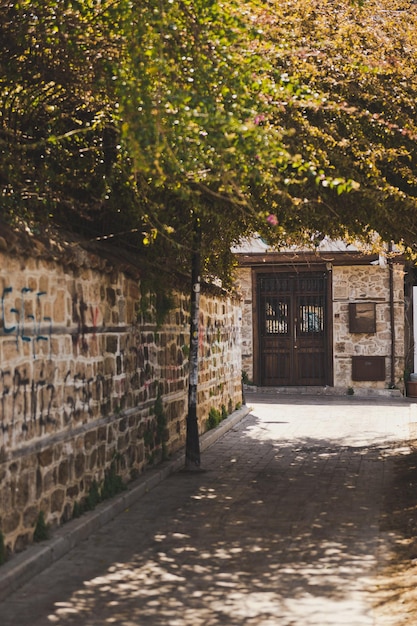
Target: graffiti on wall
[
  {"x": 51, "y": 387},
  {"x": 33, "y": 400},
  {"x": 34, "y": 396},
  {"x": 86, "y": 319},
  {"x": 26, "y": 323}
]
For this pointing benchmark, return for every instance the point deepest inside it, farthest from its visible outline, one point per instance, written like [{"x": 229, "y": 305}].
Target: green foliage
[
  {"x": 77, "y": 510},
  {"x": 112, "y": 484},
  {"x": 245, "y": 378},
  {"x": 127, "y": 121},
  {"x": 156, "y": 299},
  {"x": 41, "y": 529},
  {"x": 93, "y": 498},
  {"x": 58, "y": 144},
  {"x": 214, "y": 418}
]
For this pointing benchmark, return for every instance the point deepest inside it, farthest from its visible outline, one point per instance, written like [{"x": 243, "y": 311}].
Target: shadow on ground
[
  {"x": 397, "y": 581},
  {"x": 273, "y": 533}
]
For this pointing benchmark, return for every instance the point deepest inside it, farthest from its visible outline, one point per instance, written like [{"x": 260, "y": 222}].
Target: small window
[
  {"x": 276, "y": 317},
  {"x": 362, "y": 317},
  {"x": 311, "y": 318}
]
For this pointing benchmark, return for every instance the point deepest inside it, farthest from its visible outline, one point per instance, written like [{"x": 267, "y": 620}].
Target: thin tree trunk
[{"x": 192, "y": 446}]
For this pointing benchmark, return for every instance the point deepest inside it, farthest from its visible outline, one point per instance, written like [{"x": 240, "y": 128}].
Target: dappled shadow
[
  {"x": 279, "y": 530},
  {"x": 396, "y": 582}
]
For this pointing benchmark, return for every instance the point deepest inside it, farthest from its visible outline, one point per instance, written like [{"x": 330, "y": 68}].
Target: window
[{"x": 276, "y": 316}]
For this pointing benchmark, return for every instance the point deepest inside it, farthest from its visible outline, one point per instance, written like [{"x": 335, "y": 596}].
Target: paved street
[{"x": 280, "y": 529}]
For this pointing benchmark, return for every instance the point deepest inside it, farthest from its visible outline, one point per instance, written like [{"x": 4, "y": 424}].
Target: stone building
[{"x": 332, "y": 318}]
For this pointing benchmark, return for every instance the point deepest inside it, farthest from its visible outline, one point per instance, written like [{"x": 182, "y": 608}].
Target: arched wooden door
[{"x": 293, "y": 329}]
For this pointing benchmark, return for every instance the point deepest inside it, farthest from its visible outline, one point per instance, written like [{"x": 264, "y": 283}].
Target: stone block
[
  {"x": 101, "y": 455},
  {"x": 72, "y": 492},
  {"x": 112, "y": 344},
  {"x": 49, "y": 479},
  {"x": 45, "y": 457},
  {"x": 92, "y": 460},
  {"x": 79, "y": 465},
  {"x": 57, "y": 500},
  {"x": 10, "y": 522},
  {"x": 22, "y": 541},
  {"x": 63, "y": 472},
  {"x": 30, "y": 516},
  {"x": 90, "y": 439},
  {"x": 102, "y": 433},
  {"x": 123, "y": 424}
]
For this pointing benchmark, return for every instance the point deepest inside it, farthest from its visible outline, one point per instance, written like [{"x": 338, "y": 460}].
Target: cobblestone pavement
[{"x": 280, "y": 529}]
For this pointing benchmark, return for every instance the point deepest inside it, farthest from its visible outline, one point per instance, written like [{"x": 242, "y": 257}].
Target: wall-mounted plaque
[
  {"x": 362, "y": 317},
  {"x": 368, "y": 368}
]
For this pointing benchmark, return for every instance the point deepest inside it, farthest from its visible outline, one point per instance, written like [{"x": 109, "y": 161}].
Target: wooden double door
[{"x": 293, "y": 318}]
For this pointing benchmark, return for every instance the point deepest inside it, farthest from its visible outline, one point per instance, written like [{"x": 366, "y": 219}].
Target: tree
[
  {"x": 129, "y": 119},
  {"x": 132, "y": 121},
  {"x": 59, "y": 149},
  {"x": 346, "y": 73},
  {"x": 274, "y": 116}
]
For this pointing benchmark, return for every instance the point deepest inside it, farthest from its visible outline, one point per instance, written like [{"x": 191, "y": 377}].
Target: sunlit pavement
[{"x": 281, "y": 529}]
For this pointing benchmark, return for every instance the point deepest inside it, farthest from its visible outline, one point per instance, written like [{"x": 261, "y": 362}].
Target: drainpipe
[
  {"x": 392, "y": 317},
  {"x": 415, "y": 327}
]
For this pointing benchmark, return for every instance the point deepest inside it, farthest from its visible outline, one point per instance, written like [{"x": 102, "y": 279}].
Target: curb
[{"x": 27, "y": 564}]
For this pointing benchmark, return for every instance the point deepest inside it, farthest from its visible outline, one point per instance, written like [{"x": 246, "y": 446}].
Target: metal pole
[
  {"x": 192, "y": 445},
  {"x": 392, "y": 314}
]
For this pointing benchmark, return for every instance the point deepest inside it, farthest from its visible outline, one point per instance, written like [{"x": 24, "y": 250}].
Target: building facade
[{"x": 334, "y": 317}]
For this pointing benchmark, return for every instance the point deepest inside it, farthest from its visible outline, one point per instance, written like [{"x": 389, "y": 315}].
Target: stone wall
[
  {"x": 244, "y": 285},
  {"x": 360, "y": 283},
  {"x": 368, "y": 283},
  {"x": 90, "y": 382}
]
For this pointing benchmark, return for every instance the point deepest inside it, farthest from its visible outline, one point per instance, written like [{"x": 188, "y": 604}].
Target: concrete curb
[{"x": 24, "y": 566}]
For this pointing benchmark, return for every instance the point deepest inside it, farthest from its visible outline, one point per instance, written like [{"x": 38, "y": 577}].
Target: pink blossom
[
  {"x": 272, "y": 219},
  {"x": 259, "y": 119}
]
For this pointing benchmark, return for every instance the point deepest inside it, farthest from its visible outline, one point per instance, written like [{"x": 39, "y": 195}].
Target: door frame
[{"x": 291, "y": 269}]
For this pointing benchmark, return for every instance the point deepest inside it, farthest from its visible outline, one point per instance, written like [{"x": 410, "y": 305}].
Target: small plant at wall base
[
  {"x": 41, "y": 529},
  {"x": 245, "y": 378},
  {"x": 93, "y": 497},
  {"x": 214, "y": 418},
  {"x": 111, "y": 486}
]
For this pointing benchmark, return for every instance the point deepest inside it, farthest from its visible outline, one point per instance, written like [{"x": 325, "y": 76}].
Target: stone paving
[{"x": 280, "y": 529}]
